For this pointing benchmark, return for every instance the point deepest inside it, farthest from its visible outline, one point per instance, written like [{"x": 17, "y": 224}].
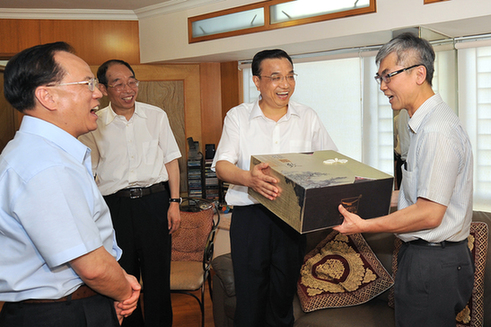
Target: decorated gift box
[{"x": 313, "y": 185}]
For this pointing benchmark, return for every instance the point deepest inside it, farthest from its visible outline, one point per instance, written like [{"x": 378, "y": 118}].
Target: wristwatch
[{"x": 179, "y": 200}]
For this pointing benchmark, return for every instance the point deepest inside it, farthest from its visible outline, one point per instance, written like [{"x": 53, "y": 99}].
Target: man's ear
[
  {"x": 421, "y": 74},
  {"x": 46, "y": 97},
  {"x": 103, "y": 89},
  {"x": 256, "y": 81}
]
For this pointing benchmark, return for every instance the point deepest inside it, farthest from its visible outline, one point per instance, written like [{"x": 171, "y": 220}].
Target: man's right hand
[
  {"x": 126, "y": 308},
  {"x": 263, "y": 183}
]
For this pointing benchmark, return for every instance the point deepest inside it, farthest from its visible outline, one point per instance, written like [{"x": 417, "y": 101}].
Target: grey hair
[{"x": 410, "y": 50}]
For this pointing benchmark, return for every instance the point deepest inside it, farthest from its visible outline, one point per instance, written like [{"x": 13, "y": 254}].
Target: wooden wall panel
[
  {"x": 211, "y": 103},
  {"x": 95, "y": 41},
  {"x": 17, "y": 34},
  {"x": 231, "y": 86}
]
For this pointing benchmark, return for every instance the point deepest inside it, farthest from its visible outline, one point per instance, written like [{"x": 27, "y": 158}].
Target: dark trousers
[
  {"x": 94, "y": 311},
  {"x": 142, "y": 233},
  {"x": 267, "y": 256},
  {"x": 432, "y": 285}
]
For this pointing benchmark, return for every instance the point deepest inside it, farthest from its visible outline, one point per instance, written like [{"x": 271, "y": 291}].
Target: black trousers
[
  {"x": 94, "y": 311},
  {"x": 432, "y": 284},
  {"x": 142, "y": 233},
  {"x": 267, "y": 256}
]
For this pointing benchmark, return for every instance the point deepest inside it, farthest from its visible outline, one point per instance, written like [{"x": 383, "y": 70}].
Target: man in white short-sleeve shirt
[
  {"x": 135, "y": 161},
  {"x": 267, "y": 254}
]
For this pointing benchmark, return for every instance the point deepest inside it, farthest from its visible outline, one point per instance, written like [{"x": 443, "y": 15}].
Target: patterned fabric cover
[{"x": 341, "y": 271}]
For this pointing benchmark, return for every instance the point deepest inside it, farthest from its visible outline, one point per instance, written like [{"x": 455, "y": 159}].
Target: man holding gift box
[
  {"x": 266, "y": 253},
  {"x": 435, "y": 270}
]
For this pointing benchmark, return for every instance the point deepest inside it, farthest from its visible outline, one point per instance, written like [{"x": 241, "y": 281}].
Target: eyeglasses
[
  {"x": 92, "y": 83},
  {"x": 386, "y": 78},
  {"x": 275, "y": 79},
  {"x": 133, "y": 83}
]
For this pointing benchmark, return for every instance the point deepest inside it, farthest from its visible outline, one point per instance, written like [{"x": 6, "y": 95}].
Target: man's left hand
[{"x": 173, "y": 217}]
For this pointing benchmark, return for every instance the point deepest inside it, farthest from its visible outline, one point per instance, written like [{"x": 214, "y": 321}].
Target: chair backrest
[{"x": 197, "y": 223}]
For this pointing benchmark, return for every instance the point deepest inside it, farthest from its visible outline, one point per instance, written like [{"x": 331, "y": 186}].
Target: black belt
[
  {"x": 442, "y": 244},
  {"x": 138, "y": 192}
]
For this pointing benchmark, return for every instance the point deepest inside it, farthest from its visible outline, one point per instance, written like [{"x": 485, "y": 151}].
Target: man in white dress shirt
[
  {"x": 134, "y": 158},
  {"x": 267, "y": 254}
]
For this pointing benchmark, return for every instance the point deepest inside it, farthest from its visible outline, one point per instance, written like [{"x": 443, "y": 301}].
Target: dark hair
[
  {"x": 102, "y": 70},
  {"x": 29, "y": 69},
  {"x": 410, "y": 50},
  {"x": 267, "y": 54}
]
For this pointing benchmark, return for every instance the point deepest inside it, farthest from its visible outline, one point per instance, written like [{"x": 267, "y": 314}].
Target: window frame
[{"x": 371, "y": 8}]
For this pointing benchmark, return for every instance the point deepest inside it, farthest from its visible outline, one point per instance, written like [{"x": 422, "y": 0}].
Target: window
[
  {"x": 347, "y": 99},
  {"x": 475, "y": 112},
  {"x": 271, "y": 14}
]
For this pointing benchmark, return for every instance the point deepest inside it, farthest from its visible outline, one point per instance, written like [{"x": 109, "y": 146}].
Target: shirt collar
[
  {"x": 419, "y": 115},
  {"x": 257, "y": 112},
  {"x": 109, "y": 114},
  {"x": 56, "y": 135}
]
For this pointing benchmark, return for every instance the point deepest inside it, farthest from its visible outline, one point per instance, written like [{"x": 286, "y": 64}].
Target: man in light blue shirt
[{"x": 56, "y": 235}]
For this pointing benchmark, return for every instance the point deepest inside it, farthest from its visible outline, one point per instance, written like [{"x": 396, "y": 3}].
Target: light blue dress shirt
[{"x": 51, "y": 213}]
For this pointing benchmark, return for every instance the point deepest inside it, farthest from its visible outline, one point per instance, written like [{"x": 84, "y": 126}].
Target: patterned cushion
[
  {"x": 188, "y": 242},
  {"x": 473, "y": 313},
  {"x": 341, "y": 271}
]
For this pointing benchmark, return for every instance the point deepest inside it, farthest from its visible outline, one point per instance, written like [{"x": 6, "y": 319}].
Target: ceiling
[
  {"x": 82, "y": 4},
  {"x": 133, "y": 9}
]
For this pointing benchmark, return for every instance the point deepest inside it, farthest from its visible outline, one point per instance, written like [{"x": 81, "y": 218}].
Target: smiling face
[
  {"x": 76, "y": 104},
  {"x": 122, "y": 101},
  {"x": 275, "y": 96},
  {"x": 401, "y": 88}
]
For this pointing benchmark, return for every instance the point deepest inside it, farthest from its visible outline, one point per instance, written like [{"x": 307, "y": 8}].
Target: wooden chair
[{"x": 192, "y": 249}]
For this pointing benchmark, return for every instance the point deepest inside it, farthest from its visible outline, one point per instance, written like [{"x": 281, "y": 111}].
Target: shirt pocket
[
  {"x": 150, "y": 151},
  {"x": 409, "y": 185}
]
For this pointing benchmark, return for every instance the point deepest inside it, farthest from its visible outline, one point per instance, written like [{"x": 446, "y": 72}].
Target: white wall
[{"x": 164, "y": 38}]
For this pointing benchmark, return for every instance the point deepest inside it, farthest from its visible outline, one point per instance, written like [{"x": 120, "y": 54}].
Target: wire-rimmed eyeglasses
[
  {"x": 132, "y": 83},
  {"x": 386, "y": 78},
  {"x": 91, "y": 83},
  {"x": 275, "y": 79}
]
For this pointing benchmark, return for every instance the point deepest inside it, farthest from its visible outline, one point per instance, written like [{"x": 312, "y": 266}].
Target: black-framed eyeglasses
[
  {"x": 132, "y": 83},
  {"x": 91, "y": 83},
  {"x": 275, "y": 79},
  {"x": 386, "y": 78}
]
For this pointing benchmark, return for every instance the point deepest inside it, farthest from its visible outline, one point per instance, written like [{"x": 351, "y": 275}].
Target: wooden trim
[
  {"x": 267, "y": 24},
  {"x": 433, "y": 1},
  {"x": 191, "y": 20}
]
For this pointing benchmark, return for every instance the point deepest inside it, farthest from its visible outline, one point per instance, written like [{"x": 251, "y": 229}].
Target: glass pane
[
  {"x": 228, "y": 23},
  {"x": 299, "y": 9}
]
